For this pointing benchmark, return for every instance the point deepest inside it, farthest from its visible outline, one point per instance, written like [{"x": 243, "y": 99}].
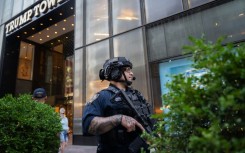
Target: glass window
[
  {"x": 96, "y": 20},
  {"x": 130, "y": 45},
  {"x": 126, "y": 15},
  {"x": 96, "y": 55},
  {"x": 78, "y": 90},
  {"x": 158, "y": 9},
  {"x": 178, "y": 31},
  {"x": 225, "y": 20},
  {"x": 170, "y": 68},
  {"x": 7, "y": 10},
  {"x": 194, "y": 3},
  {"x": 25, "y": 65},
  {"x": 79, "y": 24},
  {"x": 160, "y": 75},
  {"x": 167, "y": 40},
  {"x": 156, "y": 42},
  {"x": 17, "y": 7}
]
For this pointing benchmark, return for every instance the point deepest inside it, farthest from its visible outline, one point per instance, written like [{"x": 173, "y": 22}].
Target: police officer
[{"x": 107, "y": 115}]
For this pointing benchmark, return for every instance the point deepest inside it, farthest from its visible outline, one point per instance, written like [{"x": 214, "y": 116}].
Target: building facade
[{"x": 62, "y": 44}]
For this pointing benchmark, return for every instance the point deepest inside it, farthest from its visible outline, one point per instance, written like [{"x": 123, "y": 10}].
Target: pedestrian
[
  {"x": 107, "y": 115},
  {"x": 65, "y": 130},
  {"x": 39, "y": 95}
]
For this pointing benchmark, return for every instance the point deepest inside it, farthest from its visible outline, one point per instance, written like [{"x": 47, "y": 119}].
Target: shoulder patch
[{"x": 93, "y": 98}]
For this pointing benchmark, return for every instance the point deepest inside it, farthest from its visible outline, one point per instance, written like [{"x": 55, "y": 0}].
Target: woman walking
[{"x": 64, "y": 132}]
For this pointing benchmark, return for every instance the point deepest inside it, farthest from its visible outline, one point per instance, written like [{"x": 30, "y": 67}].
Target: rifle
[
  {"x": 138, "y": 142},
  {"x": 142, "y": 118}
]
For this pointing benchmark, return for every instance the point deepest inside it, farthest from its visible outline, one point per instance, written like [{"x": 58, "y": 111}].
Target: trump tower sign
[{"x": 36, "y": 11}]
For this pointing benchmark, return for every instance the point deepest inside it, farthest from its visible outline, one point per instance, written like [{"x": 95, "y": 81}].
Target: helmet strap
[{"x": 128, "y": 83}]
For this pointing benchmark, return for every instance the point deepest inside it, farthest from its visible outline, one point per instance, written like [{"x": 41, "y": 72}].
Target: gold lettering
[
  {"x": 29, "y": 15},
  {"x": 43, "y": 7},
  {"x": 23, "y": 19},
  {"x": 11, "y": 26},
  {"x": 16, "y": 22},
  {"x": 7, "y": 27},
  {"x": 51, "y": 3},
  {"x": 36, "y": 9}
]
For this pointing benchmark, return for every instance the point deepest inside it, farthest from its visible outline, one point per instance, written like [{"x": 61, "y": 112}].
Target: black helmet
[{"x": 112, "y": 69}]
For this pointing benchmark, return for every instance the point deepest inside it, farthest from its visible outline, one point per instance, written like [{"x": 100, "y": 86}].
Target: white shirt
[{"x": 64, "y": 122}]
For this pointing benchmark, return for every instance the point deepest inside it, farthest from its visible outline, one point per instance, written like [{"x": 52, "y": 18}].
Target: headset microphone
[{"x": 134, "y": 78}]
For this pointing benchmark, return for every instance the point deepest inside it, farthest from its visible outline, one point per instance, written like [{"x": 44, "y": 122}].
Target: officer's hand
[{"x": 130, "y": 123}]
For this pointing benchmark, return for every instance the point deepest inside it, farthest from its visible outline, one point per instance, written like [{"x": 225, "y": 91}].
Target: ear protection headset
[{"x": 112, "y": 68}]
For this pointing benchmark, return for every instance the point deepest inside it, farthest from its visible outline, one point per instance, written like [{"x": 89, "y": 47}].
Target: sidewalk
[{"x": 80, "y": 149}]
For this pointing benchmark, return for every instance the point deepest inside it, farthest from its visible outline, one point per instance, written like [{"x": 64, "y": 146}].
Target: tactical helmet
[{"x": 112, "y": 69}]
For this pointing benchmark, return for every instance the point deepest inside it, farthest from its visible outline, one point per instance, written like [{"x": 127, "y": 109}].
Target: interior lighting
[
  {"x": 41, "y": 24},
  {"x": 50, "y": 19},
  {"x": 71, "y": 8},
  {"x": 48, "y": 36},
  {"x": 55, "y": 32},
  {"x": 64, "y": 29},
  {"x": 101, "y": 34},
  {"x": 25, "y": 32},
  {"x": 56, "y": 25},
  {"x": 39, "y": 33},
  {"x": 40, "y": 39},
  {"x": 65, "y": 20},
  {"x": 72, "y": 24},
  {"x": 127, "y": 18},
  {"x": 61, "y": 14},
  {"x": 33, "y": 28},
  {"x": 216, "y": 24},
  {"x": 241, "y": 14},
  {"x": 18, "y": 36},
  {"x": 32, "y": 36},
  {"x": 47, "y": 28}
]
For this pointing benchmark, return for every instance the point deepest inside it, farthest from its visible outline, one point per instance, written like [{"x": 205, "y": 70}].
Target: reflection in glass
[
  {"x": 219, "y": 21},
  {"x": 158, "y": 9},
  {"x": 96, "y": 55},
  {"x": 96, "y": 20},
  {"x": 78, "y": 90},
  {"x": 126, "y": 15},
  {"x": 178, "y": 31},
  {"x": 79, "y": 24},
  {"x": 1, "y": 38},
  {"x": 156, "y": 43},
  {"x": 25, "y": 65},
  {"x": 167, "y": 69},
  {"x": 130, "y": 45}
]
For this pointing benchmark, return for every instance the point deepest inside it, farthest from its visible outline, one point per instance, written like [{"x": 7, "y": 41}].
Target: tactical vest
[{"x": 118, "y": 136}]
